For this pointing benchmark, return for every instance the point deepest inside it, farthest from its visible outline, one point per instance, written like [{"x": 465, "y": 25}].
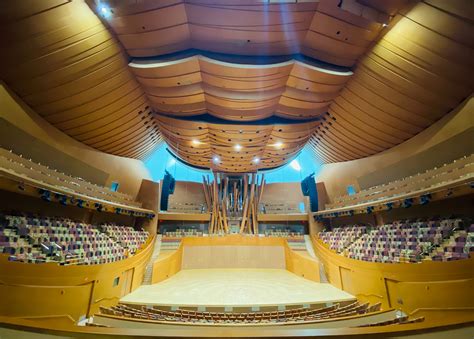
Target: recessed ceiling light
[
  {"x": 256, "y": 160},
  {"x": 278, "y": 144},
  {"x": 196, "y": 142},
  {"x": 237, "y": 147},
  {"x": 215, "y": 159}
]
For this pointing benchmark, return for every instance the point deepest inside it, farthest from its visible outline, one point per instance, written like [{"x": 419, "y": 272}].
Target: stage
[{"x": 240, "y": 287}]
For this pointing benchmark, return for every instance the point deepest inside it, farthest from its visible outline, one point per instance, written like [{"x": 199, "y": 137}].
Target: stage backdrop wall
[{"x": 233, "y": 257}]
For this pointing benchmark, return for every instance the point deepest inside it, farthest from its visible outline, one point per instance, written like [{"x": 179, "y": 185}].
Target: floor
[{"x": 235, "y": 287}]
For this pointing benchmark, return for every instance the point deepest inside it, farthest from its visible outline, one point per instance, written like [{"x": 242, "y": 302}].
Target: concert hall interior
[{"x": 236, "y": 168}]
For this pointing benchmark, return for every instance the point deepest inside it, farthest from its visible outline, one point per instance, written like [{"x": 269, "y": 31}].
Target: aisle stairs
[{"x": 154, "y": 256}]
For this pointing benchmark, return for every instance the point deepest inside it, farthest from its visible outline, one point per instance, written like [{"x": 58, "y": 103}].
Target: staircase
[
  {"x": 310, "y": 249},
  {"x": 154, "y": 256}
]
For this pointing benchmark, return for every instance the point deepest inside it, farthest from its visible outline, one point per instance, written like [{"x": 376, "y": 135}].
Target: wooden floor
[{"x": 236, "y": 287}]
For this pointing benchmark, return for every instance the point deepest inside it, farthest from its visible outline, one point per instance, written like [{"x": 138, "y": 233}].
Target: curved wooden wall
[
  {"x": 419, "y": 71},
  {"x": 63, "y": 62},
  {"x": 198, "y": 143},
  {"x": 439, "y": 291},
  {"x": 45, "y": 292},
  {"x": 169, "y": 264},
  {"x": 241, "y": 92}
]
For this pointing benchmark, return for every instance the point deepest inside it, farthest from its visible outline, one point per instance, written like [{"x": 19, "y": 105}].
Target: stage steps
[{"x": 154, "y": 256}]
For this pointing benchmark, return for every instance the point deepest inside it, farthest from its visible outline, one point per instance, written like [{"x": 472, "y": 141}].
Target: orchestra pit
[{"x": 236, "y": 168}]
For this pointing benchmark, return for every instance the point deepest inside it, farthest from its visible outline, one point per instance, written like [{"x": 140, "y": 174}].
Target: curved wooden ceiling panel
[
  {"x": 63, "y": 62},
  {"x": 419, "y": 71},
  {"x": 214, "y": 145},
  {"x": 329, "y": 30},
  {"x": 240, "y": 92}
]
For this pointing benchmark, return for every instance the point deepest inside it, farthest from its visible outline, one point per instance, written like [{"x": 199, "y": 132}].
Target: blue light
[
  {"x": 295, "y": 165},
  {"x": 105, "y": 11},
  {"x": 161, "y": 159}
]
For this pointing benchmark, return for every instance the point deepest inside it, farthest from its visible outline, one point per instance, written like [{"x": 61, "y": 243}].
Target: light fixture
[
  {"x": 295, "y": 165},
  {"x": 384, "y": 25},
  {"x": 278, "y": 144},
  {"x": 196, "y": 142},
  {"x": 237, "y": 147},
  {"x": 105, "y": 10},
  {"x": 215, "y": 159},
  {"x": 256, "y": 160}
]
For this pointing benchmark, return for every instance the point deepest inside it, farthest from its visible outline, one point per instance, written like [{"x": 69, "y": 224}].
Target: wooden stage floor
[{"x": 236, "y": 287}]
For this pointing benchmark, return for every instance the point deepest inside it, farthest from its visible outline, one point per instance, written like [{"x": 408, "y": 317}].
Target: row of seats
[
  {"x": 403, "y": 241},
  {"x": 64, "y": 241},
  {"x": 458, "y": 169},
  {"x": 295, "y": 240},
  {"x": 279, "y": 208},
  {"x": 186, "y": 207},
  {"x": 303, "y": 314},
  {"x": 36, "y": 171}
]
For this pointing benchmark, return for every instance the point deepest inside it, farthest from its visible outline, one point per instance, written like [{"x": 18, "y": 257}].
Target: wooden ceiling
[
  {"x": 75, "y": 69},
  {"x": 197, "y": 84},
  {"x": 419, "y": 71},
  {"x": 64, "y": 63},
  {"x": 318, "y": 29},
  {"x": 232, "y": 147}
]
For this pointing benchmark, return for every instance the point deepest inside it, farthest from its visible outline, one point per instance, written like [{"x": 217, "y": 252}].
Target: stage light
[
  {"x": 278, "y": 144},
  {"x": 215, "y": 159},
  {"x": 237, "y": 147},
  {"x": 105, "y": 10},
  {"x": 295, "y": 165}
]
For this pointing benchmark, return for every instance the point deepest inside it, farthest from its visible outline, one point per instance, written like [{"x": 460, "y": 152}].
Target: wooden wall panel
[
  {"x": 418, "y": 72},
  {"x": 66, "y": 65}
]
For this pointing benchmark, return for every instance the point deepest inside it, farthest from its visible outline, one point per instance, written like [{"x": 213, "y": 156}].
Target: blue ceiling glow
[{"x": 162, "y": 159}]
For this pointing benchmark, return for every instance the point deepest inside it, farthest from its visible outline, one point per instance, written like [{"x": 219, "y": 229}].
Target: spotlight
[
  {"x": 425, "y": 199},
  {"x": 105, "y": 11},
  {"x": 278, "y": 144},
  {"x": 256, "y": 160},
  {"x": 407, "y": 203},
  {"x": 215, "y": 159},
  {"x": 237, "y": 147}
]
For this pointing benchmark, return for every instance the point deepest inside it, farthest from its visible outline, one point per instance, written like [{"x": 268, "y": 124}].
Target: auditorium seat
[
  {"x": 35, "y": 239},
  {"x": 457, "y": 170},
  {"x": 302, "y": 314},
  {"x": 126, "y": 236},
  {"x": 279, "y": 208},
  {"x": 15, "y": 163},
  {"x": 403, "y": 241}
]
